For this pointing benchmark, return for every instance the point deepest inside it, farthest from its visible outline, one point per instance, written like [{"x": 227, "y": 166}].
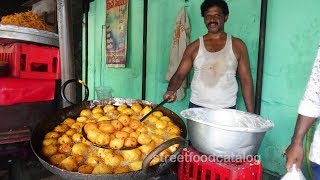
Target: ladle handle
[
  {"x": 63, "y": 89},
  {"x": 154, "y": 109},
  {"x": 177, "y": 140}
]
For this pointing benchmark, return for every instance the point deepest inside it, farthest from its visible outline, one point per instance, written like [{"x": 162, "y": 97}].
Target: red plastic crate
[
  {"x": 32, "y": 61},
  {"x": 201, "y": 168}
]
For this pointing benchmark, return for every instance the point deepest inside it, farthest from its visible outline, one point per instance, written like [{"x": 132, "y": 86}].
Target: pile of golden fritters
[
  {"x": 26, "y": 19},
  {"x": 112, "y": 126}
]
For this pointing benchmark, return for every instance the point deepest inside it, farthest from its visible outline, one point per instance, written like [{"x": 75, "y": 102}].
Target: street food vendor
[{"x": 216, "y": 58}]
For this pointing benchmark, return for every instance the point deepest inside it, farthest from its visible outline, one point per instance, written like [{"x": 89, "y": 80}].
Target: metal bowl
[
  {"x": 226, "y": 133},
  {"x": 11, "y": 33}
]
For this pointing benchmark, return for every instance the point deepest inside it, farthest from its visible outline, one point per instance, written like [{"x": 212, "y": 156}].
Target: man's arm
[
  {"x": 294, "y": 152},
  {"x": 309, "y": 110},
  {"x": 181, "y": 73},
  {"x": 245, "y": 75}
]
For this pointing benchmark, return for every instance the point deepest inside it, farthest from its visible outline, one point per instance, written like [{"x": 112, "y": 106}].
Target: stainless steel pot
[
  {"x": 49, "y": 123},
  {"x": 226, "y": 133}
]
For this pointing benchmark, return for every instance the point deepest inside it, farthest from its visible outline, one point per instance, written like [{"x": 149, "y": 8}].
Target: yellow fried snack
[
  {"x": 114, "y": 160},
  {"x": 124, "y": 119},
  {"x": 130, "y": 142},
  {"x": 69, "y": 164},
  {"x": 69, "y": 121},
  {"x": 64, "y": 139},
  {"x": 61, "y": 128},
  {"x": 47, "y": 142},
  {"x": 57, "y": 158},
  {"x": 122, "y": 107},
  {"x": 80, "y": 149},
  {"x": 116, "y": 143},
  {"x": 97, "y": 109},
  {"x": 102, "y": 169},
  {"x": 93, "y": 161},
  {"x": 65, "y": 148},
  {"x": 136, "y": 165},
  {"x": 52, "y": 134},
  {"x": 26, "y": 19},
  {"x": 71, "y": 132},
  {"x": 116, "y": 127},
  {"x": 85, "y": 169},
  {"x": 157, "y": 114},
  {"x": 108, "y": 107},
  {"x": 102, "y": 139},
  {"x": 107, "y": 128},
  {"x": 128, "y": 111},
  {"x": 134, "y": 124},
  {"x": 121, "y": 169},
  {"x": 131, "y": 155},
  {"x": 144, "y": 138},
  {"x": 136, "y": 107},
  {"x": 49, "y": 150},
  {"x": 146, "y": 149}
]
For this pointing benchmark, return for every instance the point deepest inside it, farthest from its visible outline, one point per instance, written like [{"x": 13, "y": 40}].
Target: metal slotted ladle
[{"x": 84, "y": 134}]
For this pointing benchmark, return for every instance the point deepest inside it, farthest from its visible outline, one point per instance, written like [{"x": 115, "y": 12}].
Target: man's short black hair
[{"x": 210, "y": 3}]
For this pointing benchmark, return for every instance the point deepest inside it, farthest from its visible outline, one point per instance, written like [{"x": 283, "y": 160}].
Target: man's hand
[
  {"x": 294, "y": 155},
  {"x": 294, "y": 152},
  {"x": 170, "y": 96}
]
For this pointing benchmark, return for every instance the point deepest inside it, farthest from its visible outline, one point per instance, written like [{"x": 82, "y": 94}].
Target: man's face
[{"x": 214, "y": 19}]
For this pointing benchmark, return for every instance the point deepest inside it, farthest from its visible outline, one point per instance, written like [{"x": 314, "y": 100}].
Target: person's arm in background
[
  {"x": 245, "y": 74},
  {"x": 309, "y": 110},
  {"x": 184, "y": 68},
  {"x": 294, "y": 152}
]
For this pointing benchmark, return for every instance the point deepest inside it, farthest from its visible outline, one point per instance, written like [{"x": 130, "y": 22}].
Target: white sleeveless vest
[{"x": 214, "y": 83}]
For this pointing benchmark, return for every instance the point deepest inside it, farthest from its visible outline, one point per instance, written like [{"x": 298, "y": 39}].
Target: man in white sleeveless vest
[{"x": 216, "y": 58}]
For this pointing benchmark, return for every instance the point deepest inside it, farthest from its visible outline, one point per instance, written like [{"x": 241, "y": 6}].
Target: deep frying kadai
[{"x": 147, "y": 172}]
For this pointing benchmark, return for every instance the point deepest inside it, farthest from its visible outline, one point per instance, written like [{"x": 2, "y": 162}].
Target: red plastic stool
[{"x": 196, "y": 166}]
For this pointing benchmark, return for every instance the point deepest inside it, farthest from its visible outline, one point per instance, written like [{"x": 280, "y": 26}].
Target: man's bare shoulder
[
  {"x": 238, "y": 46},
  {"x": 194, "y": 45},
  {"x": 192, "y": 49},
  {"x": 238, "y": 43}
]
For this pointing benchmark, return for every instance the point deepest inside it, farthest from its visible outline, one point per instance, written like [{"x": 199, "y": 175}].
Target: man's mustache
[{"x": 212, "y": 23}]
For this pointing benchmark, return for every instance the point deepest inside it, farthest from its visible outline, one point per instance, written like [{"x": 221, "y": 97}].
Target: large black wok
[{"x": 73, "y": 111}]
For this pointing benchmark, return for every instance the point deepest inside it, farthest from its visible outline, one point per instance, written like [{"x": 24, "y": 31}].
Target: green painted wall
[
  {"x": 291, "y": 40},
  {"x": 126, "y": 82}
]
